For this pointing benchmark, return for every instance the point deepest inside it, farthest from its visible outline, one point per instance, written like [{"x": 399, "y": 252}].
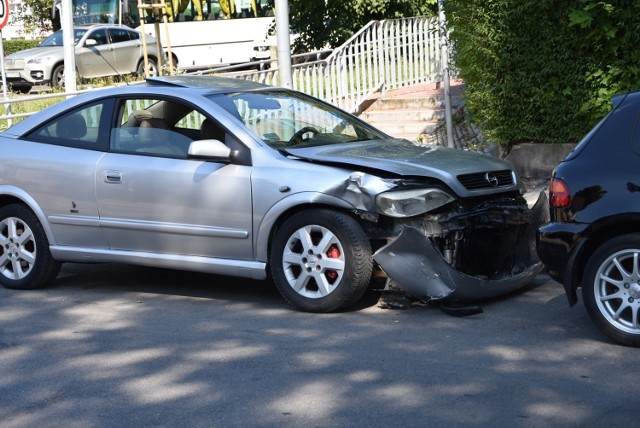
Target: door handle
[{"x": 112, "y": 177}]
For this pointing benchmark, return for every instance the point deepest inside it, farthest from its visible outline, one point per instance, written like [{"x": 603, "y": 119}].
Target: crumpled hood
[{"x": 403, "y": 158}]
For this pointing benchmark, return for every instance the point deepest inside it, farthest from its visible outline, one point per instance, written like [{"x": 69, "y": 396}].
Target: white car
[{"x": 101, "y": 50}]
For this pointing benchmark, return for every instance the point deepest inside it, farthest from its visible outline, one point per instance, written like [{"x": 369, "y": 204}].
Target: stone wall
[{"x": 537, "y": 160}]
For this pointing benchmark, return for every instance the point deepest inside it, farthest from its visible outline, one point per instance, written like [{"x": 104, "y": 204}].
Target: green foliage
[
  {"x": 610, "y": 30},
  {"x": 332, "y": 22},
  {"x": 36, "y": 16},
  {"x": 544, "y": 70},
  {"x": 15, "y": 45}
]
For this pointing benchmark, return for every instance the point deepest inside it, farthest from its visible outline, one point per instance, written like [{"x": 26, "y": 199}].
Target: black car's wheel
[
  {"x": 321, "y": 261},
  {"x": 611, "y": 289},
  {"x": 153, "y": 68},
  {"x": 57, "y": 76},
  {"x": 25, "y": 259}
]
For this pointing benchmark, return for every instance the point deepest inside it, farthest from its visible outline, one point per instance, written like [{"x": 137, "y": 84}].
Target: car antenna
[{"x": 108, "y": 63}]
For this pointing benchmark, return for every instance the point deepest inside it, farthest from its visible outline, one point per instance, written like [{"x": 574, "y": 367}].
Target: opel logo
[{"x": 491, "y": 179}]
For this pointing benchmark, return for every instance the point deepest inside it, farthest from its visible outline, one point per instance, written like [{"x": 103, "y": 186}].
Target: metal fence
[{"x": 383, "y": 55}]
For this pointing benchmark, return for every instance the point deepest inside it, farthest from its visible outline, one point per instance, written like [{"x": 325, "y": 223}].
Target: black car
[{"x": 593, "y": 238}]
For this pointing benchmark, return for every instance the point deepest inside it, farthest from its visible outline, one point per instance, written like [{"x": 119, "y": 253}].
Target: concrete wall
[{"x": 537, "y": 160}]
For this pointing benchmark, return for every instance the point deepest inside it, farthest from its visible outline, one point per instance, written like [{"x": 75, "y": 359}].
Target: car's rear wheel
[
  {"x": 25, "y": 259},
  {"x": 321, "y": 261},
  {"x": 153, "y": 68},
  {"x": 611, "y": 289},
  {"x": 57, "y": 76}
]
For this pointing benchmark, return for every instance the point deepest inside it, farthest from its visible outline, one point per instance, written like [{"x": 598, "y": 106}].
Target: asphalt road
[{"x": 110, "y": 345}]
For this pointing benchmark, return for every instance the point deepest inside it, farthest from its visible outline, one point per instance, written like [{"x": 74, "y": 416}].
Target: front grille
[{"x": 486, "y": 180}]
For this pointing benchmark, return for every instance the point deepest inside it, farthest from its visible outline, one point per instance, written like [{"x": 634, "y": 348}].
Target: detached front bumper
[{"x": 414, "y": 263}]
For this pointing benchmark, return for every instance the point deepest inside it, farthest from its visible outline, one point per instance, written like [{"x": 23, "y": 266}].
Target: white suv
[{"x": 101, "y": 50}]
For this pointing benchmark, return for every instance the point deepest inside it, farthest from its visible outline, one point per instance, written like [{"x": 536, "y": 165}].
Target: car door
[
  {"x": 153, "y": 199},
  {"x": 96, "y": 60},
  {"x": 127, "y": 49},
  {"x": 59, "y": 160}
]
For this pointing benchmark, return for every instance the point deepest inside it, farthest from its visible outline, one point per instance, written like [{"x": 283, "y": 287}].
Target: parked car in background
[
  {"x": 233, "y": 177},
  {"x": 101, "y": 50},
  {"x": 593, "y": 239}
]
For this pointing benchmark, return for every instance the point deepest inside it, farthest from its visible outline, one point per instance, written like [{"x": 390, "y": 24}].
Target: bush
[
  {"x": 541, "y": 70},
  {"x": 15, "y": 45}
]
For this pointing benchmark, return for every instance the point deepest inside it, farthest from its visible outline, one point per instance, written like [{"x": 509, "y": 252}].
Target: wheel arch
[
  {"x": 13, "y": 195},
  {"x": 612, "y": 229},
  {"x": 289, "y": 206},
  {"x": 53, "y": 68}
]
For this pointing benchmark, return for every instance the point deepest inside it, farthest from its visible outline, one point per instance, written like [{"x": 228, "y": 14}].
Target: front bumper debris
[{"x": 414, "y": 263}]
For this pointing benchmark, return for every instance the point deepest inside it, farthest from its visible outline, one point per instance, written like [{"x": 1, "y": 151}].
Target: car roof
[
  {"x": 212, "y": 84},
  {"x": 197, "y": 86},
  {"x": 97, "y": 25}
]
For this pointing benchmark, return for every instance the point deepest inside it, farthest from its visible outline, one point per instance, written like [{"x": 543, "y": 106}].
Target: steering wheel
[{"x": 297, "y": 137}]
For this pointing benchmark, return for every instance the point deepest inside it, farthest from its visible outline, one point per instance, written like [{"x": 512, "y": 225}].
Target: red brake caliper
[{"x": 332, "y": 253}]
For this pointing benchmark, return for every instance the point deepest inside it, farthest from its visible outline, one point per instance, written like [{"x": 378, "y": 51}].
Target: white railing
[{"x": 383, "y": 55}]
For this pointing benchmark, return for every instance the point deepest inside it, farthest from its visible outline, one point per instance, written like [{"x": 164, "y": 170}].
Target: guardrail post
[{"x": 5, "y": 96}]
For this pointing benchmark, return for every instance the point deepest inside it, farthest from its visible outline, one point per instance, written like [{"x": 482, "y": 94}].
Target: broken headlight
[{"x": 411, "y": 202}]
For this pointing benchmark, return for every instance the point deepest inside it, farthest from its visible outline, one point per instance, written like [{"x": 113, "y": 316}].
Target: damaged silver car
[{"x": 236, "y": 178}]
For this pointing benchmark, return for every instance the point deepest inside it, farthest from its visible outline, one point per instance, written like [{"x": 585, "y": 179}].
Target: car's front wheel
[
  {"x": 57, "y": 76},
  {"x": 611, "y": 289},
  {"x": 25, "y": 259},
  {"x": 321, "y": 260}
]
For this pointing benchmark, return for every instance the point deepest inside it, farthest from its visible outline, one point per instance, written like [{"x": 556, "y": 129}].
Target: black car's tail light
[{"x": 559, "y": 196}]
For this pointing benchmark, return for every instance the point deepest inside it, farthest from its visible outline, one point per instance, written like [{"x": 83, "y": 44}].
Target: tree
[
  {"x": 332, "y": 22},
  {"x": 36, "y": 17}
]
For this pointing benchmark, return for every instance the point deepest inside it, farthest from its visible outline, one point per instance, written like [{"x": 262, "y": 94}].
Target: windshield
[
  {"x": 287, "y": 119},
  {"x": 56, "y": 38}
]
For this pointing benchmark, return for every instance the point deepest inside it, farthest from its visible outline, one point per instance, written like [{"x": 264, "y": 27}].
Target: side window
[
  {"x": 79, "y": 128},
  {"x": 100, "y": 36},
  {"x": 119, "y": 35},
  {"x": 155, "y": 127}
]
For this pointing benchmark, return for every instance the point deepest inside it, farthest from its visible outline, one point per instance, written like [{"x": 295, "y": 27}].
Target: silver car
[
  {"x": 101, "y": 50},
  {"x": 237, "y": 178}
]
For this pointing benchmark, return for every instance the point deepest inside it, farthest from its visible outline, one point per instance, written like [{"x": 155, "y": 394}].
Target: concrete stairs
[{"x": 411, "y": 112}]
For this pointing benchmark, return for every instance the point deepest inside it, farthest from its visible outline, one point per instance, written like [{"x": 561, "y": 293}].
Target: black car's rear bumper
[{"x": 558, "y": 245}]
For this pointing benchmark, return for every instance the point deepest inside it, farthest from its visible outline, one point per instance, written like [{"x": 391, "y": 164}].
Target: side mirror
[
  {"x": 90, "y": 42},
  {"x": 212, "y": 150}
]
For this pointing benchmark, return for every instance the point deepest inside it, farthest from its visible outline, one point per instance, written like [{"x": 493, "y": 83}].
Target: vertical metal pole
[
  {"x": 66, "y": 22},
  {"x": 444, "y": 59},
  {"x": 284, "y": 43},
  {"x": 5, "y": 96}
]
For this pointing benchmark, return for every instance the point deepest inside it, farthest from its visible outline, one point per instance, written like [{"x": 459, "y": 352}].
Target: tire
[
  {"x": 21, "y": 88},
  {"x": 25, "y": 259},
  {"x": 334, "y": 270},
  {"x": 153, "y": 68},
  {"x": 611, "y": 289},
  {"x": 57, "y": 76}
]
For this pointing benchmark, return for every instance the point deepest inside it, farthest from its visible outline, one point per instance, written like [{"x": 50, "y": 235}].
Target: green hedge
[
  {"x": 11, "y": 46},
  {"x": 544, "y": 70}
]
